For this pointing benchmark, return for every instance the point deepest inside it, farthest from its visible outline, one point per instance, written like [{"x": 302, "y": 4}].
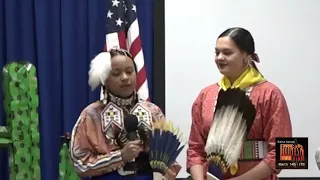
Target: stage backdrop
[
  {"x": 60, "y": 38},
  {"x": 287, "y": 40}
]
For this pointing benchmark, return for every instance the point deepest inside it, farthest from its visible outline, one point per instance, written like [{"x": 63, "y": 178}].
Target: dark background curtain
[{"x": 60, "y": 37}]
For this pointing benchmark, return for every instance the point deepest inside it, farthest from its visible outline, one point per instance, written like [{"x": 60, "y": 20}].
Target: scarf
[{"x": 248, "y": 78}]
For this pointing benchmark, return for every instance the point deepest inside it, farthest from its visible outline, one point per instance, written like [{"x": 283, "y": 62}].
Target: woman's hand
[{"x": 131, "y": 150}]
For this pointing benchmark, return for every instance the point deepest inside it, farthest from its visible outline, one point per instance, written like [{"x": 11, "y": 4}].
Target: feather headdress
[
  {"x": 233, "y": 118},
  {"x": 165, "y": 144},
  {"x": 100, "y": 68}
]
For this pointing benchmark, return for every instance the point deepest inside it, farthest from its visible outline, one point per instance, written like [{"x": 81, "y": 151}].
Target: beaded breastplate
[{"x": 112, "y": 119}]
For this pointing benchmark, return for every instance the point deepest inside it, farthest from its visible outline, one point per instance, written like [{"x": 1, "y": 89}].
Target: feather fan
[
  {"x": 165, "y": 144},
  {"x": 233, "y": 118}
]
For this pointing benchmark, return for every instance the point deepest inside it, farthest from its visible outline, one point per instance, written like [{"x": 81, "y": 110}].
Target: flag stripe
[
  {"x": 139, "y": 60},
  {"x": 133, "y": 32},
  {"x": 122, "y": 40},
  {"x": 112, "y": 40},
  {"x": 143, "y": 91},
  {"x": 135, "y": 47},
  {"x": 142, "y": 75}
]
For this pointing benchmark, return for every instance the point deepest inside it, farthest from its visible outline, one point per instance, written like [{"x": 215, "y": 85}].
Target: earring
[
  {"x": 247, "y": 62},
  {"x": 105, "y": 95}
]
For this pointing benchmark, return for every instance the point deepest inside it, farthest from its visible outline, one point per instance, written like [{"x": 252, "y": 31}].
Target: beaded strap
[{"x": 253, "y": 150}]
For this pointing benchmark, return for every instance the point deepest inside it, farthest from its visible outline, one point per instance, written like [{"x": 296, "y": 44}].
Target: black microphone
[{"x": 131, "y": 127}]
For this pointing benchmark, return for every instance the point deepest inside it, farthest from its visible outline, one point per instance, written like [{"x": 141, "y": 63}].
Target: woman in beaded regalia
[
  {"x": 235, "y": 58},
  {"x": 100, "y": 147}
]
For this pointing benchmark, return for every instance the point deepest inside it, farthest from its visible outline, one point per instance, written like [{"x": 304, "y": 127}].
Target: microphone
[
  {"x": 318, "y": 158},
  {"x": 131, "y": 127}
]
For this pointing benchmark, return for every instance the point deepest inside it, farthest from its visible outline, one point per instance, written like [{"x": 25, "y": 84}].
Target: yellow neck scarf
[{"x": 248, "y": 78}]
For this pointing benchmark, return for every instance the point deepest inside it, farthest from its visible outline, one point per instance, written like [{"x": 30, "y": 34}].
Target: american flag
[{"x": 123, "y": 32}]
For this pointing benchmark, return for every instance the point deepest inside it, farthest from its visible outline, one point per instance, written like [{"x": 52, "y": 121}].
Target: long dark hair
[{"x": 244, "y": 41}]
